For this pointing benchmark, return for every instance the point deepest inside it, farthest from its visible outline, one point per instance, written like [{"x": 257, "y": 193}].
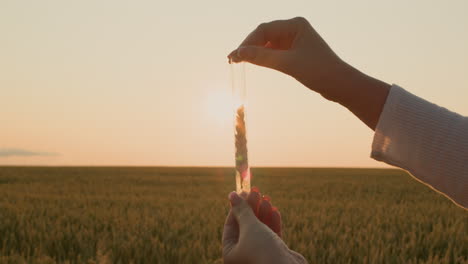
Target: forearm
[
  {"x": 363, "y": 95},
  {"x": 427, "y": 140}
]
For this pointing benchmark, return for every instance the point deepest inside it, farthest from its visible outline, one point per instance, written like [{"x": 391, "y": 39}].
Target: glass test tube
[{"x": 239, "y": 93}]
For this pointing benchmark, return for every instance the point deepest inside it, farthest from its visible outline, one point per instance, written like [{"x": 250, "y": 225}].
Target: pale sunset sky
[{"x": 147, "y": 82}]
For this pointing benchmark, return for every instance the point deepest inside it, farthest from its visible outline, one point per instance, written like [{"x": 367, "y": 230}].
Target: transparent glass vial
[{"x": 239, "y": 93}]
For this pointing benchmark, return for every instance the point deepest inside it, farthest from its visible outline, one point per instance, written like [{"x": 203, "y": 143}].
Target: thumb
[
  {"x": 262, "y": 56},
  {"x": 242, "y": 211}
]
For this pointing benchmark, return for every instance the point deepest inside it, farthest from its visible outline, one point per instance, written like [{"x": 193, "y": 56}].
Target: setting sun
[{"x": 219, "y": 106}]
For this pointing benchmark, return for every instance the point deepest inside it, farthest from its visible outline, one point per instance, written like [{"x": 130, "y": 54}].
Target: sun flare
[{"x": 219, "y": 106}]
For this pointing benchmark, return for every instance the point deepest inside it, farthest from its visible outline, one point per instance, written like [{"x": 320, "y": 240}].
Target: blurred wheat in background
[{"x": 175, "y": 215}]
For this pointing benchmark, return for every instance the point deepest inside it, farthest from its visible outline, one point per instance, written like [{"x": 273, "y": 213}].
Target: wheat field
[{"x": 175, "y": 215}]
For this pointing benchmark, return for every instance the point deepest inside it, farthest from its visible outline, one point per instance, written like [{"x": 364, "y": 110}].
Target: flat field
[{"x": 175, "y": 215}]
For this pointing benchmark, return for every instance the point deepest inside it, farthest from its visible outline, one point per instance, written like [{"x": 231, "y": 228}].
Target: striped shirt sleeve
[{"x": 428, "y": 141}]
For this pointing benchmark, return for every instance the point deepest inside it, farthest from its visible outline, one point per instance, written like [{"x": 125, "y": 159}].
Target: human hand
[
  {"x": 293, "y": 47},
  {"x": 252, "y": 232}
]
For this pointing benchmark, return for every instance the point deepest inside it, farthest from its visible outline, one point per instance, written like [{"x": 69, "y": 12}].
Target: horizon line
[{"x": 196, "y": 167}]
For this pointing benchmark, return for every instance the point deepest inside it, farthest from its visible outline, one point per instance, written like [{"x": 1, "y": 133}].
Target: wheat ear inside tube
[{"x": 239, "y": 93}]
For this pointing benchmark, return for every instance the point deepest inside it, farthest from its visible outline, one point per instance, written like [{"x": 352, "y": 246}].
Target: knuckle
[
  {"x": 262, "y": 26},
  {"x": 300, "y": 20}
]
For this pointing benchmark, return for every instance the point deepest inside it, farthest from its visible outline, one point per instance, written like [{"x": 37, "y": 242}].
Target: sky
[{"x": 147, "y": 82}]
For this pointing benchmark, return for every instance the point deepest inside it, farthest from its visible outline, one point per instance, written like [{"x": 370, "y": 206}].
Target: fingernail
[
  {"x": 255, "y": 189},
  {"x": 231, "y": 55},
  {"x": 234, "y": 59},
  {"x": 234, "y": 198},
  {"x": 266, "y": 198}
]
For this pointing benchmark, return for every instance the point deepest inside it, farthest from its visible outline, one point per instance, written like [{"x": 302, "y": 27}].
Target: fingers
[
  {"x": 273, "y": 32},
  {"x": 276, "y": 221},
  {"x": 261, "y": 56},
  {"x": 264, "y": 211},
  {"x": 230, "y": 231},
  {"x": 270, "y": 216},
  {"x": 254, "y": 199},
  {"x": 268, "y": 44},
  {"x": 241, "y": 210},
  {"x": 246, "y": 208}
]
